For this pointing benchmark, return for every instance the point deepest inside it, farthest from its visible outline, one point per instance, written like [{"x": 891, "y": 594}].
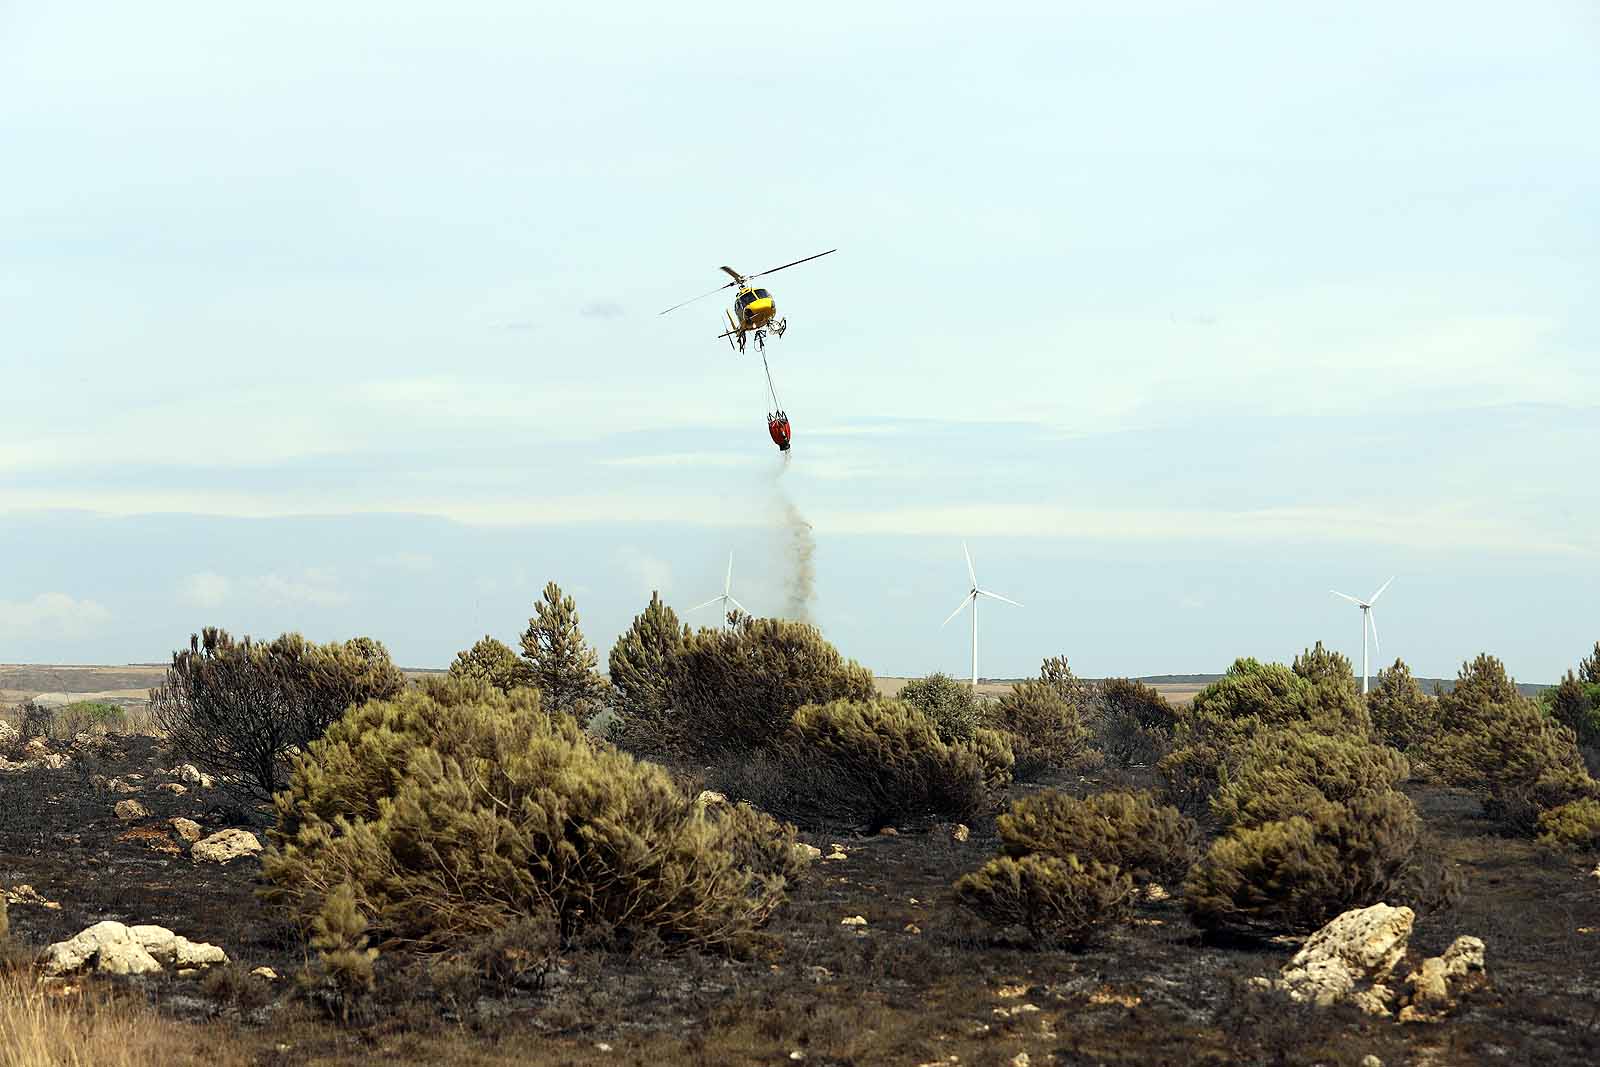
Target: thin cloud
[
  {"x": 51, "y": 614},
  {"x": 206, "y": 589}
]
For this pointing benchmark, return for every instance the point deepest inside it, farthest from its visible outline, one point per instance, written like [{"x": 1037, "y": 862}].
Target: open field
[
  {"x": 917, "y": 984},
  {"x": 130, "y": 684}
]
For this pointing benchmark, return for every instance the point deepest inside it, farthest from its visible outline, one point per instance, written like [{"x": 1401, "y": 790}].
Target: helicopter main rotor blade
[
  {"x": 702, "y": 296},
  {"x": 796, "y": 263}
]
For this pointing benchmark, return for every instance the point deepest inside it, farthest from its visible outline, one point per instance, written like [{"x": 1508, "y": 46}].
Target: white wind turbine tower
[
  {"x": 972, "y": 598},
  {"x": 727, "y": 594},
  {"x": 1368, "y": 621}
]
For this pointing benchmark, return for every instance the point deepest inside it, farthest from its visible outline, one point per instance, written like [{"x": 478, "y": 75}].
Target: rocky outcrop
[
  {"x": 1440, "y": 981},
  {"x": 112, "y": 948},
  {"x": 226, "y": 846},
  {"x": 8, "y": 734},
  {"x": 1351, "y": 959},
  {"x": 186, "y": 829},
  {"x": 128, "y": 810}
]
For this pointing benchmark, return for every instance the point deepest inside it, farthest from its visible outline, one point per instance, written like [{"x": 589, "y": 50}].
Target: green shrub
[
  {"x": 640, "y": 665},
  {"x": 1297, "y": 873},
  {"x": 453, "y": 812},
  {"x": 1501, "y": 745},
  {"x": 1190, "y": 774},
  {"x": 872, "y": 764},
  {"x": 1403, "y": 716},
  {"x": 494, "y": 663},
  {"x": 339, "y": 934},
  {"x": 1575, "y": 825},
  {"x": 949, "y": 703},
  {"x": 1254, "y": 694},
  {"x": 560, "y": 661},
  {"x": 1130, "y": 831},
  {"x": 1250, "y": 698},
  {"x": 238, "y": 708},
  {"x": 1055, "y": 673},
  {"x": 1132, "y": 723},
  {"x": 1057, "y": 900},
  {"x": 1575, "y": 704},
  {"x": 1321, "y": 664},
  {"x": 735, "y": 690},
  {"x": 1046, "y": 730},
  {"x": 1283, "y": 772}
]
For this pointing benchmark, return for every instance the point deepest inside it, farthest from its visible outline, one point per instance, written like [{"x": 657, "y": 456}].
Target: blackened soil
[{"x": 917, "y": 984}]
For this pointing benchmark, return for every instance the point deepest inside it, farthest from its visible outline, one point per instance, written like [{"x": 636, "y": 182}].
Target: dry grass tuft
[{"x": 45, "y": 1023}]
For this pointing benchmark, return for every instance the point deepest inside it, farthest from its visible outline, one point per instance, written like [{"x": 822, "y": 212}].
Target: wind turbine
[
  {"x": 1367, "y": 621},
  {"x": 972, "y": 598},
  {"x": 727, "y": 594}
]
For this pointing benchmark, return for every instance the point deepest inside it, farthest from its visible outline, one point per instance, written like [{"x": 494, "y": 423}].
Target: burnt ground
[{"x": 918, "y": 984}]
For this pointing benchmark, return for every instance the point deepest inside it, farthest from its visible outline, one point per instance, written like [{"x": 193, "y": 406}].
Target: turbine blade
[
  {"x": 997, "y": 596},
  {"x": 1347, "y": 596},
  {"x": 1374, "y": 598},
  {"x": 971, "y": 573},
  {"x": 1372, "y": 620},
  {"x": 707, "y": 604},
  {"x": 727, "y": 583},
  {"x": 964, "y": 602},
  {"x": 738, "y": 605}
]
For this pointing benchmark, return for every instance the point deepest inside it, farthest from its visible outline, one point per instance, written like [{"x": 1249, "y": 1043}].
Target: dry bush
[
  {"x": 948, "y": 702},
  {"x": 1283, "y": 772},
  {"x": 1045, "y": 728},
  {"x": 1056, "y": 899},
  {"x": 449, "y": 813},
  {"x": 735, "y": 690},
  {"x": 1575, "y": 825},
  {"x": 1148, "y": 841},
  {"x": 1132, "y": 723},
  {"x": 872, "y": 764},
  {"x": 238, "y": 708},
  {"x": 1297, "y": 873}
]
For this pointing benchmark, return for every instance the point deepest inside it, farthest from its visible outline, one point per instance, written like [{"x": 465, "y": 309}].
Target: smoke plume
[{"x": 799, "y": 551}]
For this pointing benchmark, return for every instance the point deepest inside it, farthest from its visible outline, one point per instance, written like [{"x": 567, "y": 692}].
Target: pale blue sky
[{"x": 343, "y": 318}]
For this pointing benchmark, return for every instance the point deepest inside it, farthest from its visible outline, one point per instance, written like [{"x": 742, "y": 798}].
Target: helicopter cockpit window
[
  {"x": 745, "y": 299},
  {"x": 761, "y": 294}
]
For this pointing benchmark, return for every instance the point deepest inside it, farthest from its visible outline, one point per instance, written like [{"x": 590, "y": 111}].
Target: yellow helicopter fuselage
[{"x": 753, "y": 309}]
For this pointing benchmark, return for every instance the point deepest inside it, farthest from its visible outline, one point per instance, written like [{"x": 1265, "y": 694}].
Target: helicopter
[
  {"x": 753, "y": 316},
  {"x": 754, "y": 311}
]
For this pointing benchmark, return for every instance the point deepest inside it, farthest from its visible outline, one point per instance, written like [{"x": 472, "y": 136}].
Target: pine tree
[
  {"x": 561, "y": 662},
  {"x": 1589, "y": 667},
  {"x": 639, "y": 661},
  {"x": 1321, "y": 664},
  {"x": 339, "y": 933},
  {"x": 491, "y": 661}
]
